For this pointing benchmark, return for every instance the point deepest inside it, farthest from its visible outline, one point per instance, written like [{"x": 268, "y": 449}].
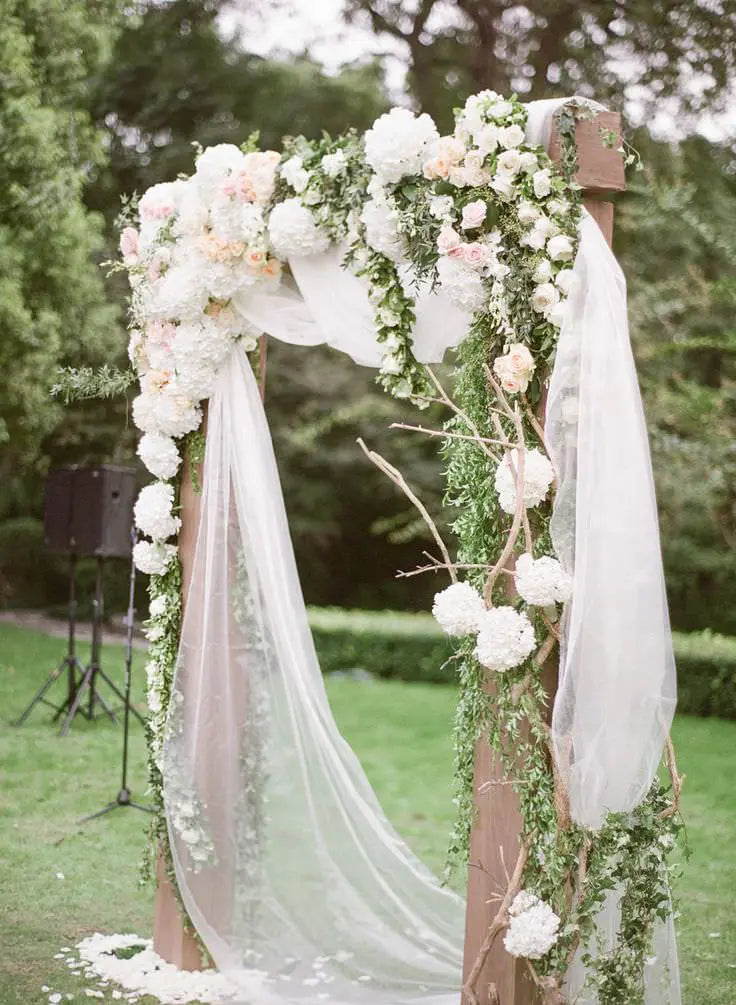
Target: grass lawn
[{"x": 61, "y": 880}]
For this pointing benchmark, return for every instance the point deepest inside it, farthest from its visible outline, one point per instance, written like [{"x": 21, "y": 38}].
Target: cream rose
[
  {"x": 447, "y": 240},
  {"x": 509, "y": 163},
  {"x": 560, "y": 248},
  {"x": 529, "y": 162},
  {"x": 510, "y": 137},
  {"x": 486, "y": 139},
  {"x": 542, "y": 182},
  {"x": 545, "y": 297},
  {"x": 503, "y": 187},
  {"x": 543, "y": 271},
  {"x": 528, "y": 212},
  {"x": 474, "y": 214},
  {"x": 565, "y": 280}
]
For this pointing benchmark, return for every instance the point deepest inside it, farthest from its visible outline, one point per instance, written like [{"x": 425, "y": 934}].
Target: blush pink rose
[
  {"x": 447, "y": 240},
  {"x": 473, "y": 215},
  {"x": 475, "y": 254},
  {"x": 129, "y": 242}
]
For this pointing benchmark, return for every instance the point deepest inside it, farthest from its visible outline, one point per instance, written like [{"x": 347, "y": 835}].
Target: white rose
[
  {"x": 529, "y": 162},
  {"x": 447, "y": 240},
  {"x": 565, "y": 280},
  {"x": 503, "y": 187},
  {"x": 528, "y": 212},
  {"x": 511, "y": 136},
  {"x": 486, "y": 139},
  {"x": 534, "y": 238},
  {"x": 293, "y": 173},
  {"x": 560, "y": 248},
  {"x": 500, "y": 109},
  {"x": 543, "y": 271},
  {"x": 334, "y": 164},
  {"x": 544, "y": 297},
  {"x": 542, "y": 182},
  {"x": 558, "y": 207},
  {"x": 556, "y": 314},
  {"x": 509, "y": 163},
  {"x": 440, "y": 206}
]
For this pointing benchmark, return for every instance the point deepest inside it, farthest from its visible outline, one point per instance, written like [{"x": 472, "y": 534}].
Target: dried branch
[
  {"x": 676, "y": 778},
  {"x": 397, "y": 478},
  {"x": 480, "y": 440}
]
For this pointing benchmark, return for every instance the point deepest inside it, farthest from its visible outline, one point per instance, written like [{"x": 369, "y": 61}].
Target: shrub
[{"x": 411, "y": 647}]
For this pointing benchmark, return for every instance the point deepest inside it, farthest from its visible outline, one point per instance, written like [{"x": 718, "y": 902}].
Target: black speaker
[{"x": 89, "y": 511}]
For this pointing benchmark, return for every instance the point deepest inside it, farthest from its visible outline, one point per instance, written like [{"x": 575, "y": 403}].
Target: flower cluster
[
  {"x": 505, "y": 637},
  {"x": 533, "y": 927},
  {"x": 541, "y": 582},
  {"x": 514, "y": 368},
  {"x": 538, "y": 476}
]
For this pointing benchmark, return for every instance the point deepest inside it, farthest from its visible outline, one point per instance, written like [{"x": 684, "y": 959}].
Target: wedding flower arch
[{"x": 394, "y": 247}]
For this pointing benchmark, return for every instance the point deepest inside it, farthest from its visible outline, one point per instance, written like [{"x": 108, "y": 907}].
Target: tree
[
  {"x": 52, "y": 301},
  {"x": 647, "y": 50}
]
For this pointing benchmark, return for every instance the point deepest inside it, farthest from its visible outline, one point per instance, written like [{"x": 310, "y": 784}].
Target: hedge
[{"x": 412, "y": 647}]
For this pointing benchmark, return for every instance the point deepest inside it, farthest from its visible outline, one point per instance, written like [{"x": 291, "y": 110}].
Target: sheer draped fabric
[
  {"x": 297, "y": 883},
  {"x": 308, "y": 894}
]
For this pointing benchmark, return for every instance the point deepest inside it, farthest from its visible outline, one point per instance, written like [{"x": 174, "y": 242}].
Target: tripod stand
[
  {"x": 70, "y": 663},
  {"x": 87, "y": 685},
  {"x": 123, "y": 796}
]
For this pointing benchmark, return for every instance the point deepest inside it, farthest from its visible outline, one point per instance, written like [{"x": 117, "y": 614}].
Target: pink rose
[
  {"x": 129, "y": 242},
  {"x": 475, "y": 254},
  {"x": 474, "y": 214},
  {"x": 520, "y": 359},
  {"x": 447, "y": 240},
  {"x": 458, "y": 252}
]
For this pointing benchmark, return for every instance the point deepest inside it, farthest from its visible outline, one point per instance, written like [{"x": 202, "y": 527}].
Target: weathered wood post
[
  {"x": 171, "y": 939},
  {"x": 494, "y": 840}
]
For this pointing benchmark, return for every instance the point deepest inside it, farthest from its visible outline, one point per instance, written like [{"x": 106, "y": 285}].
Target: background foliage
[{"x": 102, "y": 98}]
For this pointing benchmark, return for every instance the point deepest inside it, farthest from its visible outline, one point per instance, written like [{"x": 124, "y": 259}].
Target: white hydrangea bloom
[
  {"x": 542, "y": 581},
  {"x": 181, "y": 293},
  {"x": 381, "y": 221},
  {"x": 199, "y": 351},
  {"x": 193, "y": 215},
  {"x": 397, "y": 143},
  {"x": 505, "y": 639},
  {"x": 538, "y": 476},
  {"x": 463, "y": 285},
  {"x": 153, "y": 557},
  {"x": 159, "y": 454},
  {"x": 293, "y": 230},
  {"x": 153, "y": 511},
  {"x": 533, "y": 927},
  {"x": 459, "y": 609},
  {"x": 166, "y": 411},
  {"x": 214, "y": 166}
]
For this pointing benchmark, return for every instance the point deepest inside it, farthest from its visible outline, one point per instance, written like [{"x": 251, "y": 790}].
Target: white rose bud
[
  {"x": 529, "y": 162},
  {"x": 560, "y": 248},
  {"x": 543, "y": 272},
  {"x": 503, "y": 187},
  {"x": 565, "y": 280},
  {"x": 542, "y": 182}
]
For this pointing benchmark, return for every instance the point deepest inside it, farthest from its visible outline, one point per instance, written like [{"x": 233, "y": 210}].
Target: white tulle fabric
[
  {"x": 306, "y": 893},
  {"x": 311, "y": 895}
]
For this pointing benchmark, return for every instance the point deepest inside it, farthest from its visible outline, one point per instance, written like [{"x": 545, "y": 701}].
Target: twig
[
  {"x": 398, "y": 479},
  {"x": 535, "y": 423},
  {"x": 676, "y": 778},
  {"x": 480, "y": 440}
]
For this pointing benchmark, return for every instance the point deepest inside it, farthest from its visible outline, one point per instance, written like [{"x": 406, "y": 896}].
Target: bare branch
[{"x": 397, "y": 478}]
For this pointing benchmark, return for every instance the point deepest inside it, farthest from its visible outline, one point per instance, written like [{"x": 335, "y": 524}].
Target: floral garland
[{"x": 492, "y": 223}]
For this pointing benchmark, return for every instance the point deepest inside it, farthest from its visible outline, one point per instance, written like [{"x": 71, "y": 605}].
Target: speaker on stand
[{"x": 88, "y": 511}]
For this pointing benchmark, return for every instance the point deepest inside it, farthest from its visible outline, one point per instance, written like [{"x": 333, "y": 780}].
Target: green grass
[{"x": 400, "y": 731}]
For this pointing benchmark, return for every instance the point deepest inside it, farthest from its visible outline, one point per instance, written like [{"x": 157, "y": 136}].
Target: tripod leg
[
  {"x": 97, "y": 697},
  {"x": 38, "y": 696},
  {"x": 84, "y": 684},
  {"x": 121, "y": 696}
]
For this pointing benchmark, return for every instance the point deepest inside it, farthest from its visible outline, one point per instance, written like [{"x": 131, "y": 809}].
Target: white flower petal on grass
[
  {"x": 541, "y": 581},
  {"x": 458, "y": 609},
  {"x": 538, "y": 476},
  {"x": 505, "y": 639}
]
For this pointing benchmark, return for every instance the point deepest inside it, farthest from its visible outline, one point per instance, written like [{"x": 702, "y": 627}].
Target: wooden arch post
[{"x": 494, "y": 839}]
